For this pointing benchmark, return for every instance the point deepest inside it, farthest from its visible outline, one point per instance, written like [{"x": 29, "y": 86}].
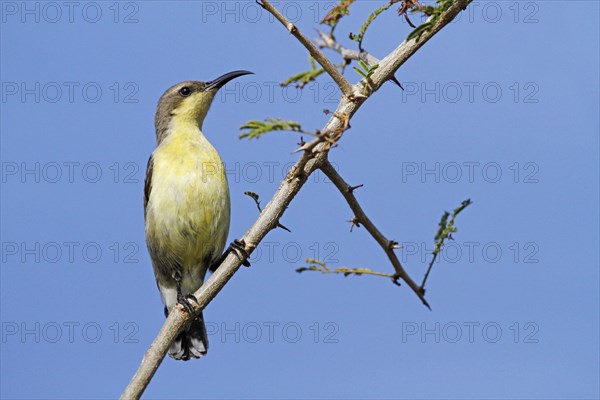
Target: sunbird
[{"x": 186, "y": 204}]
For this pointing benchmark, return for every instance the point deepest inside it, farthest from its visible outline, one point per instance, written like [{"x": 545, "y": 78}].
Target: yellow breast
[{"x": 188, "y": 210}]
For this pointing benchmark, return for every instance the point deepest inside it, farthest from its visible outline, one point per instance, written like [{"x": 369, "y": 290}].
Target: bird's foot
[
  {"x": 239, "y": 248},
  {"x": 185, "y": 302}
]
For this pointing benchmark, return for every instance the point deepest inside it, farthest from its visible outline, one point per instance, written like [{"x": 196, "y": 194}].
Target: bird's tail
[{"x": 192, "y": 341}]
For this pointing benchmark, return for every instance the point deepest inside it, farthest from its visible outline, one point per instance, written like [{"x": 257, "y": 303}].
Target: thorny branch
[
  {"x": 317, "y": 54},
  {"x": 360, "y": 217},
  {"x": 329, "y": 42},
  {"x": 313, "y": 157}
]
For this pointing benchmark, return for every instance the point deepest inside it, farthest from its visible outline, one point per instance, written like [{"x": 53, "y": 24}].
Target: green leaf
[
  {"x": 255, "y": 129},
  {"x": 320, "y": 266},
  {"x": 446, "y": 228},
  {"x": 420, "y": 30},
  {"x": 433, "y": 12},
  {"x": 363, "y": 28},
  {"x": 364, "y": 75}
]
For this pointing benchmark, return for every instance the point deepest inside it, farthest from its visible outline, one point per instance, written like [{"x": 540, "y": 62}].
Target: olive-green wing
[{"x": 148, "y": 183}]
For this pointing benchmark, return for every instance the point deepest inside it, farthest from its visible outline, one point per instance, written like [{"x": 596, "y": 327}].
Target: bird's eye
[{"x": 185, "y": 91}]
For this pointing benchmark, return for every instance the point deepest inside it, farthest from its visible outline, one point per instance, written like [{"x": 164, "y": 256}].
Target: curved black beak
[{"x": 223, "y": 79}]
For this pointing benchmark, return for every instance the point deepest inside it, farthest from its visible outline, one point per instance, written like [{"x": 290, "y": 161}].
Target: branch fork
[{"x": 317, "y": 54}]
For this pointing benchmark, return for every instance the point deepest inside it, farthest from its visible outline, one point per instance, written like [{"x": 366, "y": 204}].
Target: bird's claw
[
  {"x": 239, "y": 248},
  {"x": 185, "y": 302}
]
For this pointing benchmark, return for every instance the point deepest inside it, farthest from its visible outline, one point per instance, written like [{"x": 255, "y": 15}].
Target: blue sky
[{"x": 500, "y": 107}]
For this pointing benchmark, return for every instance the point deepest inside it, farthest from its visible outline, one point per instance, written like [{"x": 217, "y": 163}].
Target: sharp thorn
[{"x": 393, "y": 79}]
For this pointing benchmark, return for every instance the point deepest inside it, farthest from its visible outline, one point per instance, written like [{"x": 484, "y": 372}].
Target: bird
[{"x": 186, "y": 204}]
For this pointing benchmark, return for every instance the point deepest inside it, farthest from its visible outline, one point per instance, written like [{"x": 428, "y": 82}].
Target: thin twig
[
  {"x": 317, "y": 54},
  {"x": 256, "y": 198},
  {"x": 328, "y": 42},
  {"x": 445, "y": 231},
  {"x": 361, "y": 217},
  {"x": 428, "y": 270},
  {"x": 322, "y": 267},
  {"x": 390, "y": 64}
]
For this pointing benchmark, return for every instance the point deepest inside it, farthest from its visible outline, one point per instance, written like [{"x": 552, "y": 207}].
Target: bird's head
[{"x": 188, "y": 102}]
